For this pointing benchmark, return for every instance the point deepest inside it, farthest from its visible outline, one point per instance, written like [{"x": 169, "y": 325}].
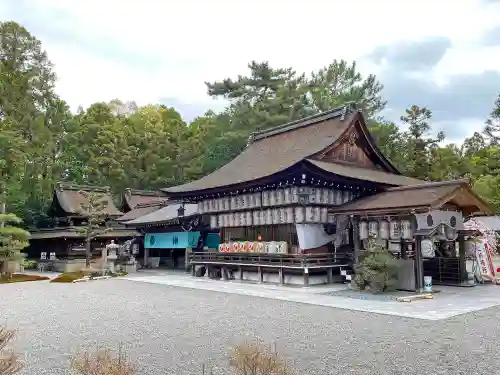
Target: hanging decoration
[
  {"x": 406, "y": 230},
  {"x": 363, "y": 230},
  {"x": 384, "y": 230}
]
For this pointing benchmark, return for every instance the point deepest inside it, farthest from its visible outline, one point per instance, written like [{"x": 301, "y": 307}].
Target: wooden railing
[{"x": 270, "y": 260}]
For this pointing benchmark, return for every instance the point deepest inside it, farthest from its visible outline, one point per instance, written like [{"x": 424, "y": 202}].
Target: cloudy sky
[{"x": 440, "y": 53}]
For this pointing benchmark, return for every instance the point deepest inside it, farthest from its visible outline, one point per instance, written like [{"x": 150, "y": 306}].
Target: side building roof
[
  {"x": 131, "y": 198},
  {"x": 68, "y": 200}
]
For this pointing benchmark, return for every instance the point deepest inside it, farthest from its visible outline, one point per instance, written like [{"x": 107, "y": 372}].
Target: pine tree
[
  {"x": 94, "y": 209},
  {"x": 12, "y": 241},
  {"x": 378, "y": 270}
]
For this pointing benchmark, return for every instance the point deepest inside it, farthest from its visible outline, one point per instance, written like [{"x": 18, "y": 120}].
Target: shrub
[
  {"x": 378, "y": 271},
  {"x": 68, "y": 277},
  {"x": 10, "y": 363},
  {"x": 252, "y": 359},
  {"x": 103, "y": 362},
  {"x": 19, "y": 278},
  {"x": 29, "y": 264}
]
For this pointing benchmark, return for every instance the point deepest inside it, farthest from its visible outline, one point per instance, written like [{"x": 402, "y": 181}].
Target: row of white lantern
[
  {"x": 271, "y": 216},
  {"x": 385, "y": 229},
  {"x": 396, "y": 230},
  {"x": 274, "y": 198}
]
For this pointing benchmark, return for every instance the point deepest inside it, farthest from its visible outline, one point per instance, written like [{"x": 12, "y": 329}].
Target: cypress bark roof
[
  {"x": 132, "y": 198},
  {"x": 274, "y": 150},
  {"x": 69, "y": 199},
  {"x": 427, "y": 196}
]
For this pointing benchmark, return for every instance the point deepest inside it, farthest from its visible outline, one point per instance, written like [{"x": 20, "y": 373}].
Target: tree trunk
[{"x": 88, "y": 253}]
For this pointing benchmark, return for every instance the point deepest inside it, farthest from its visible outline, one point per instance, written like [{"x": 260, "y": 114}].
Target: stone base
[
  {"x": 71, "y": 265},
  {"x": 129, "y": 268},
  {"x": 288, "y": 279}
]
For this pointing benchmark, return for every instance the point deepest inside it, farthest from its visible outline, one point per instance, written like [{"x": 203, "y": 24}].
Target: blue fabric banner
[{"x": 175, "y": 240}]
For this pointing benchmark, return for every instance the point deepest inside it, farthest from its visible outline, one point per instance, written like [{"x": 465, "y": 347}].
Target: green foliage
[
  {"x": 378, "y": 271},
  {"x": 29, "y": 264},
  {"x": 93, "y": 208},
  {"x": 122, "y": 145},
  {"x": 12, "y": 241},
  {"x": 21, "y": 278},
  {"x": 68, "y": 277}
]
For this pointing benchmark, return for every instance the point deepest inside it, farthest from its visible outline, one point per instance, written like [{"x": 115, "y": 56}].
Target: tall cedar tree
[{"x": 93, "y": 208}]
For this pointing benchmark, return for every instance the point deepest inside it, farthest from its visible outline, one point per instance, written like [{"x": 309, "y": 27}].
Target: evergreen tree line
[{"x": 123, "y": 145}]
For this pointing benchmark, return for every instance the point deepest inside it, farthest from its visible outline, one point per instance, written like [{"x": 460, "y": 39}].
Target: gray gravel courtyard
[{"x": 174, "y": 330}]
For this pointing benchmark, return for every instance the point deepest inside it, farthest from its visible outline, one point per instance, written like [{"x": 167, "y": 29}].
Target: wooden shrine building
[
  {"x": 275, "y": 203},
  {"x": 170, "y": 231},
  {"x": 63, "y": 238}
]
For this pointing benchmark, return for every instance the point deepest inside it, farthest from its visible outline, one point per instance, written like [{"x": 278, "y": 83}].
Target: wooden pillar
[
  {"x": 193, "y": 270},
  {"x": 419, "y": 265},
  {"x": 329, "y": 275},
  {"x": 241, "y": 273},
  {"x": 261, "y": 276},
  {"x": 306, "y": 276},
  {"x": 281, "y": 276},
  {"x": 462, "y": 263},
  {"x": 354, "y": 238},
  {"x": 146, "y": 257}
]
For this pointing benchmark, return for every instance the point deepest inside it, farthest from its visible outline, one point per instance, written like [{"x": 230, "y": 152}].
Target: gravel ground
[{"x": 174, "y": 330}]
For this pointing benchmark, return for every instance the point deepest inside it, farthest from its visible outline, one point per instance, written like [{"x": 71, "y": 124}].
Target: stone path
[{"x": 452, "y": 301}]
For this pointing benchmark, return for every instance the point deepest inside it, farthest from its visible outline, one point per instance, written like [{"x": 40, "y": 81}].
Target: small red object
[{"x": 498, "y": 269}]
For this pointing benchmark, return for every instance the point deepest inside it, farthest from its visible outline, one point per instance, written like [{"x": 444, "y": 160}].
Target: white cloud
[{"x": 195, "y": 40}]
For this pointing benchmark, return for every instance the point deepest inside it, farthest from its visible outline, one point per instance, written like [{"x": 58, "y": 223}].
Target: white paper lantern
[
  {"x": 249, "y": 217},
  {"x": 309, "y": 214},
  {"x": 319, "y": 196},
  {"x": 258, "y": 200},
  {"x": 213, "y": 204},
  {"x": 295, "y": 194},
  {"x": 243, "y": 219},
  {"x": 244, "y": 201},
  {"x": 363, "y": 230},
  {"x": 383, "y": 230},
  {"x": 262, "y": 216},
  {"x": 280, "y": 197},
  {"x": 373, "y": 228},
  {"x": 282, "y": 214},
  {"x": 200, "y": 207},
  {"x": 338, "y": 197},
  {"x": 233, "y": 203},
  {"x": 251, "y": 200},
  {"x": 324, "y": 215},
  {"x": 289, "y": 217},
  {"x": 406, "y": 230},
  {"x": 269, "y": 216},
  {"x": 299, "y": 214},
  {"x": 237, "y": 219},
  {"x": 220, "y": 221},
  {"x": 427, "y": 248},
  {"x": 331, "y": 196},
  {"x": 227, "y": 204},
  {"x": 231, "y": 220},
  {"x": 395, "y": 230},
  {"x": 276, "y": 215},
  {"x": 272, "y": 197},
  {"x": 213, "y": 221},
  {"x": 346, "y": 196},
  {"x": 265, "y": 198},
  {"x": 256, "y": 218}
]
